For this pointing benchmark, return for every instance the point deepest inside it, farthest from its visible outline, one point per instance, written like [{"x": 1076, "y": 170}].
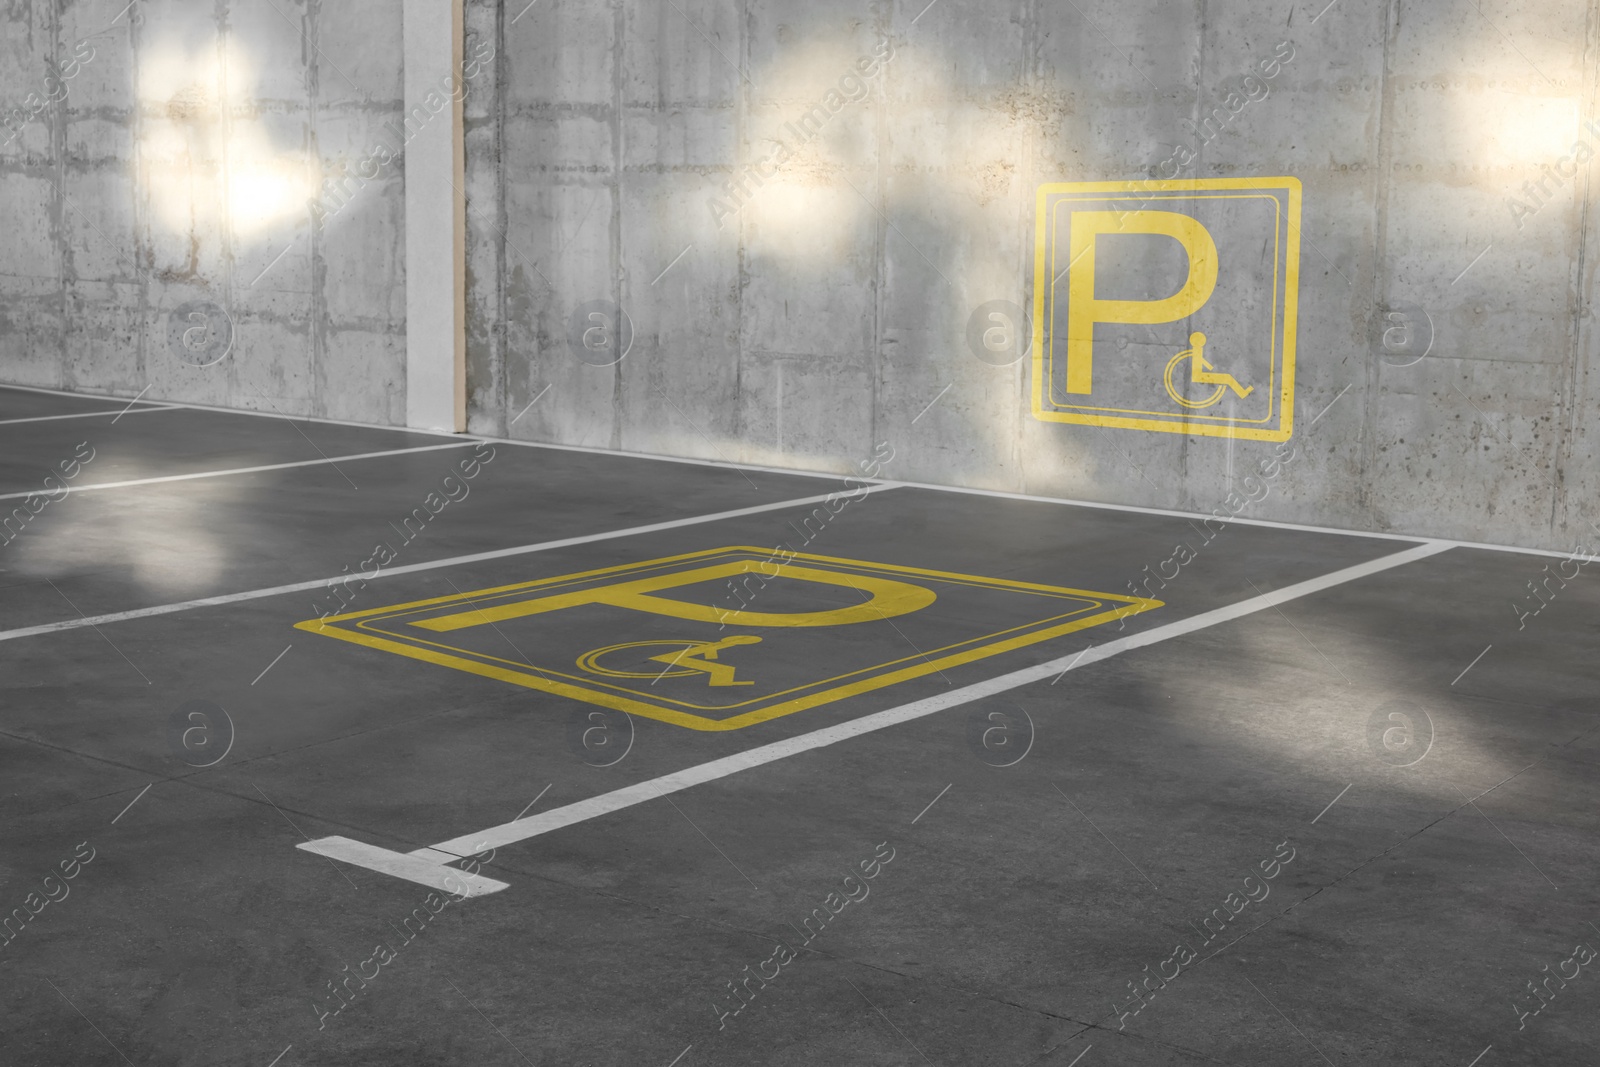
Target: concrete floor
[{"x": 1423, "y": 868}]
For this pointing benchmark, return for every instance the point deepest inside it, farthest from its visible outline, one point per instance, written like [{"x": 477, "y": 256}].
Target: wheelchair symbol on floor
[
  {"x": 1202, "y": 372},
  {"x": 691, "y": 658}
]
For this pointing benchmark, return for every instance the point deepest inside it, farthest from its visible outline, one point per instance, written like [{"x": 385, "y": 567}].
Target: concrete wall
[
  {"x": 155, "y": 201},
  {"x": 806, "y": 313},
  {"x": 828, "y": 313}
]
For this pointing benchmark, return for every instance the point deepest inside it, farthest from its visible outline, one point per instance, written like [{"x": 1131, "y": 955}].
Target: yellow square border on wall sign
[{"x": 1050, "y": 267}]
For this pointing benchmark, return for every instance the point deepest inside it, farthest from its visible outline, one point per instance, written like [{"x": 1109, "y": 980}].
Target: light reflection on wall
[
  {"x": 813, "y": 121},
  {"x": 947, "y": 172},
  {"x": 208, "y": 161},
  {"x": 802, "y": 218},
  {"x": 1531, "y": 129}
]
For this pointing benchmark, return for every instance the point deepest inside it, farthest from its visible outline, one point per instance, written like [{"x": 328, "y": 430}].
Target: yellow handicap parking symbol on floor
[
  {"x": 693, "y": 656},
  {"x": 728, "y": 637}
]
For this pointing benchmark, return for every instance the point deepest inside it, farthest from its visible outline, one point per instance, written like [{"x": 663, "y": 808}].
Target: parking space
[{"x": 392, "y": 747}]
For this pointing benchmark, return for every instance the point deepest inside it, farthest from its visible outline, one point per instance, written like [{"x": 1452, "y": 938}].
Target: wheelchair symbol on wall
[{"x": 1202, "y": 372}]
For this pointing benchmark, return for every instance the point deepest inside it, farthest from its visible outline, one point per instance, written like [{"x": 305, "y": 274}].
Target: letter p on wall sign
[
  {"x": 729, "y": 637},
  {"x": 1168, "y": 305}
]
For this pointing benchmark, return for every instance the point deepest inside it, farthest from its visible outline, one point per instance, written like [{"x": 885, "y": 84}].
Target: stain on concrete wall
[{"x": 157, "y": 174}]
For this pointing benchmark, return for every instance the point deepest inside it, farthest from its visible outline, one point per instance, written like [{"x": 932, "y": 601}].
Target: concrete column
[{"x": 435, "y": 164}]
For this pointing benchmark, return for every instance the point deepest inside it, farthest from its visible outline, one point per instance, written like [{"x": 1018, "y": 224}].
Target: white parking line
[
  {"x": 114, "y": 414},
  {"x": 129, "y": 405},
  {"x": 415, "y": 568},
  {"x": 423, "y": 872},
  {"x": 230, "y": 471},
  {"x": 365, "y": 855}
]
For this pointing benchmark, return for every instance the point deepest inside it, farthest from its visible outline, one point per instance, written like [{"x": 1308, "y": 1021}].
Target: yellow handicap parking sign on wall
[
  {"x": 729, "y": 637},
  {"x": 1168, "y": 305}
]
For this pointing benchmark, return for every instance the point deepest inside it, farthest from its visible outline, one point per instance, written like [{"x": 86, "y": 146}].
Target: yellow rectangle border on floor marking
[{"x": 355, "y": 627}]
